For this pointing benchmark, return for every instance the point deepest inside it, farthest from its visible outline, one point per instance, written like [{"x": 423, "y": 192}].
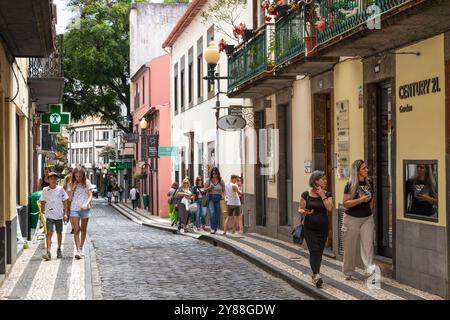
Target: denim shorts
[
  {"x": 83, "y": 214},
  {"x": 53, "y": 224}
]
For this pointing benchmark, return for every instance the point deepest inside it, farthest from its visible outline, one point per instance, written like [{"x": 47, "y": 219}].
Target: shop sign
[
  {"x": 343, "y": 140},
  {"x": 168, "y": 151},
  {"x": 231, "y": 123},
  {"x": 419, "y": 88},
  {"x": 153, "y": 142}
]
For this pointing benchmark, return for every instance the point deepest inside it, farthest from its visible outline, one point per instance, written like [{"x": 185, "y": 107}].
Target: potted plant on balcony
[{"x": 224, "y": 46}]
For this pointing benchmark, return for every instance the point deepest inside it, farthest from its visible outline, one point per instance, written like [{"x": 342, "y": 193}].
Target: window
[
  {"x": 200, "y": 69},
  {"x": 210, "y": 37},
  {"x": 90, "y": 135},
  {"x": 105, "y": 135},
  {"x": 182, "y": 96},
  {"x": 143, "y": 89},
  {"x": 90, "y": 155},
  {"x": 85, "y": 136},
  {"x": 175, "y": 88},
  {"x": 190, "y": 76}
]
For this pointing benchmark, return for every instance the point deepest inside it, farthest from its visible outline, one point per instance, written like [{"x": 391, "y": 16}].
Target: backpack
[{"x": 137, "y": 195}]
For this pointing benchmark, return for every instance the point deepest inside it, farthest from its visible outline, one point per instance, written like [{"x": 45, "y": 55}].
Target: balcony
[
  {"x": 27, "y": 27},
  {"x": 45, "y": 79},
  {"x": 252, "y": 65},
  {"x": 311, "y": 40}
]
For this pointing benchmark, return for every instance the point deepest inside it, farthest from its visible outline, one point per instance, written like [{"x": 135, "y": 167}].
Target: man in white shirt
[
  {"x": 134, "y": 196},
  {"x": 54, "y": 204},
  {"x": 234, "y": 203}
]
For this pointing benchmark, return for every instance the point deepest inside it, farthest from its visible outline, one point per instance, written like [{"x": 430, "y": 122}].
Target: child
[{"x": 54, "y": 204}]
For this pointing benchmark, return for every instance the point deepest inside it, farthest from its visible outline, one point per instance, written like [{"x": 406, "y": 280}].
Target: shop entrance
[
  {"x": 322, "y": 150},
  {"x": 384, "y": 168},
  {"x": 380, "y": 139},
  {"x": 260, "y": 180}
]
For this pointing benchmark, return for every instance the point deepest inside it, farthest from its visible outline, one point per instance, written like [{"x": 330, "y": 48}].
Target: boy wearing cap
[{"x": 54, "y": 204}]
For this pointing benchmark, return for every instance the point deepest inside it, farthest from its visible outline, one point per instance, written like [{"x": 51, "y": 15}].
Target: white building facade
[
  {"x": 194, "y": 131},
  {"x": 87, "y": 139}
]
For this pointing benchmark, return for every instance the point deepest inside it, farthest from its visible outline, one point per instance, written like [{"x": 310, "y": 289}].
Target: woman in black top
[
  {"x": 43, "y": 182},
  {"x": 199, "y": 192},
  {"x": 358, "y": 219},
  {"x": 314, "y": 206},
  {"x": 422, "y": 192}
]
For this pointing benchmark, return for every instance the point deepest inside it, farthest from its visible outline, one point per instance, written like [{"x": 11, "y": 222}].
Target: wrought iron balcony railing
[
  {"x": 50, "y": 67},
  {"x": 252, "y": 58},
  {"x": 289, "y": 36},
  {"x": 341, "y": 16},
  {"x": 306, "y": 29}
]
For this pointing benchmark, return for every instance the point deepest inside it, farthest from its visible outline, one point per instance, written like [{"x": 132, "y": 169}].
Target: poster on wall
[{"x": 343, "y": 140}]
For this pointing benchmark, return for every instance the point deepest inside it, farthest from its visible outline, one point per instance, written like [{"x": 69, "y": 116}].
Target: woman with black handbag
[{"x": 314, "y": 206}]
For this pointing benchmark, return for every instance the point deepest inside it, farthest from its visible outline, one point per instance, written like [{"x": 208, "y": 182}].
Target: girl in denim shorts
[{"x": 81, "y": 197}]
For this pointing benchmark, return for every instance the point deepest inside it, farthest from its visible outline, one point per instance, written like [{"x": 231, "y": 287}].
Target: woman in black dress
[
  {"x": 43, "y": 182},
  {"x": 314, "y": 206}
]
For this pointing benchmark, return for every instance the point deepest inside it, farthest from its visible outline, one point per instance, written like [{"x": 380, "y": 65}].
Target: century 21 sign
[{"x": 417, "y": 89}]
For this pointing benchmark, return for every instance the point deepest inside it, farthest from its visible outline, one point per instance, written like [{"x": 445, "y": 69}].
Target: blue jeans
[
  {"x": 200, "y": 216},
  {"x": 134, "y": 203},
  {"x": 214, "y": 210}
]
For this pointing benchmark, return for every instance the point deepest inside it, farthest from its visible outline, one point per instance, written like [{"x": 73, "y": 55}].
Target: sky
[{"x": 65, "y": 15}]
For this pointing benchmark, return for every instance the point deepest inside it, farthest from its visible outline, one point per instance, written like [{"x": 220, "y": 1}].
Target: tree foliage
[
  {"x": 107, "y": 153},
  {"x": 224, "y": 13},
  {"x": 96, "y": 61}
]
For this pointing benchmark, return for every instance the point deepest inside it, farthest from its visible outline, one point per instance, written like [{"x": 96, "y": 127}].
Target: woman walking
[
  {"x": 109, "y": 193},
  {"x": 173, "y": 214},
  {"x": 199, "y": 191},
  {"x": 116, "y": 193},
  {"x": 44, "y": 181},
  {"x": 215, "y": 186},
  {"x": 185, "y": 193},
  {"x": 314, "y": 206},
  {"x": 358, "y": 219},
  {"x": 80, "y": 198}
]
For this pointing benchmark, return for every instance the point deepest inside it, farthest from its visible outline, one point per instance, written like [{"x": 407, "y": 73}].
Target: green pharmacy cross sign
[{"x": 56, "y": 118}]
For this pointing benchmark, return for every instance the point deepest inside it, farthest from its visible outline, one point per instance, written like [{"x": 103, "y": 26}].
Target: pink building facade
[{"x": 150, "y": 98}]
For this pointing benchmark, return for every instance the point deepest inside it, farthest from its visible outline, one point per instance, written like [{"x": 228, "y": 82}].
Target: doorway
[
  {"x": 384, "y": 168},
  {"x": 322, "y": 129},
  {"x": 285, "y": 165},
  {"x": 260, "y": 180}
]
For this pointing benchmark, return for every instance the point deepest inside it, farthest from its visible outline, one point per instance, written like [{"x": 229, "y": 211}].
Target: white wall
[
  {"x": 201, "y": 117},
  {"x": 150, "y": 24}
]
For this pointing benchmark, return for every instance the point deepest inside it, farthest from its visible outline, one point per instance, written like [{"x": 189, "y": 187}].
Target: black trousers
[{"x": 315, "y": 239}]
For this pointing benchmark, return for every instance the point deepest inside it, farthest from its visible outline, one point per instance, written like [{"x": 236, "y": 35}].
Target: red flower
[
  {"x": 264, "y": 4},
  {"x": 267, "y": 18},
  {"x": 280, "y": 2},
  {"x": 321, "y": 24},
  {"x": 222, "y": 45},
  {"x": 271, "y": 10}
]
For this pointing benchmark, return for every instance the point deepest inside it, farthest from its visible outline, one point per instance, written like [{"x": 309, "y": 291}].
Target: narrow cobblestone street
[{"x": 138, "y": 262}]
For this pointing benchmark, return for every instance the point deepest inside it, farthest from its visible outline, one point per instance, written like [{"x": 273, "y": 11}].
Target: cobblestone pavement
[
  {"x": 31, "y": 278},
  {"x": 138, "y": 262}
]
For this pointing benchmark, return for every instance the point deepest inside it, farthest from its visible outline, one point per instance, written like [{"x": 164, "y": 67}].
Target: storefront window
[{"x": 421, "y": 190}]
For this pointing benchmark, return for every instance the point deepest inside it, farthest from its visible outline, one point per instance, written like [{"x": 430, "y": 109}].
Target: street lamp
[
  {"x": 212, "y": 57},
  {"x": 143, "y": 124}
]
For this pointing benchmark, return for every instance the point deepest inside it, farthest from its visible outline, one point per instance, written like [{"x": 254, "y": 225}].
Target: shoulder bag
[{"x": 298, "y": 234}]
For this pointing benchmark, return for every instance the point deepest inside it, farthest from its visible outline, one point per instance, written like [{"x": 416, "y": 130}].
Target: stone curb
[{"x": 215, "y": 241}]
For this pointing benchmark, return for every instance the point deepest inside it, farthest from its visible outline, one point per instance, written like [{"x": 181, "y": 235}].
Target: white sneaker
[
  {"x": 78, "y": 255},
  {"x": 182, "y": 230},
  {"x": 82, "y": 251}
]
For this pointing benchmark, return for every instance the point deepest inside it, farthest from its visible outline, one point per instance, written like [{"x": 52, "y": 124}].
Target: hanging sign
[
  {"x": 231, "y": 123},
  {"x": 153, "y": 143},
  {"x": 55, "y": 118}
]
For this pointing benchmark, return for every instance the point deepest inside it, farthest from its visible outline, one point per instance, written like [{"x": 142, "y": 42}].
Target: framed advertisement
[
  {"x": 343, "y": 139},
  {"x": 270, "y": 148},
  {"x": 421, "y": 189}
]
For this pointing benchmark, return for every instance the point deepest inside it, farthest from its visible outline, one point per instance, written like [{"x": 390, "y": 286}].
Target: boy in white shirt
[
  {"x": 54, "y": 204},
  {"x": 233, "y": 202}
]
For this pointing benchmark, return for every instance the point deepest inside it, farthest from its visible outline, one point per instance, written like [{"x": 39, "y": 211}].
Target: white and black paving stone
[{"x": 138, "y": 262}]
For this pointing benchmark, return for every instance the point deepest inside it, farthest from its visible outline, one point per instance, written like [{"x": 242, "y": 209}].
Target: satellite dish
[{"x": 231, "y": 123}]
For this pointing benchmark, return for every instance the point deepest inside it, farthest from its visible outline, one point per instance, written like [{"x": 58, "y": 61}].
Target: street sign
[
  {"x": 235, "y": 111},
  {"x": 153, "y": 143},
  {"x": 168, "y": 151},
  {"x": 116, "y": 166},
  {"x": 231, "y": 123},
  {"x": 55, "y": 118}
]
